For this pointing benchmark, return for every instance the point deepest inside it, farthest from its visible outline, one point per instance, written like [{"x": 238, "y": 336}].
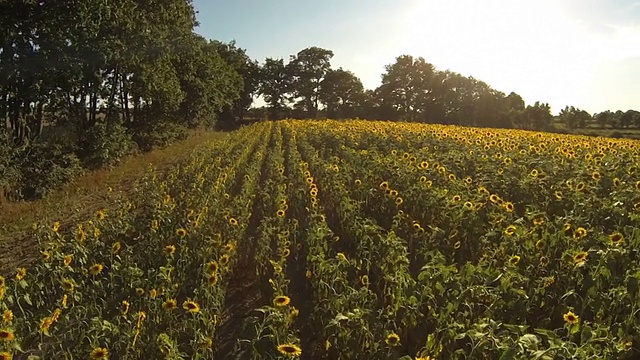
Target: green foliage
[
  {"x": 48, "y": 166},
  {"x": 160, "y": 135},
  {"x": 105, "y": 145}
]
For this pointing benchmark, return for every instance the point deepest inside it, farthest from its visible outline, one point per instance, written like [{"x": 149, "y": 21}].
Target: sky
[{"x": 583, "y": 53}]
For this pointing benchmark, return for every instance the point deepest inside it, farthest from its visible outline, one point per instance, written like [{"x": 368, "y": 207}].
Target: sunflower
[
  {"x": 64, "y": 301},
  {"x": 540, "y": 245},
  {"x": 169, "y": 249},
  {"x": 580, "y": 186},
  {"x": 384, "y": 185},
  {"x": 424, "y": 165},
  {"x": 468, "y": 205},
  {"x": 508, "y": 206},
  {"x": 96, "y": 269},
  {"x": 99, "y": 353},
  {"x": 457, "y": 245},
  {"x": 46, "y": 255},
  {"x": 21, "y": 273},
  {"x": 538, "y": 221},
  {"x": 68, "y": 285},
  {"x": 224, "y": 259},
  {"x": 115, "y": 248},
  {"x": 124, "y": 307},
  {"x": 191, "y": 306},
  {"x": 571, "y": 318},
  {"x": 580, "y": 233},
  {"x": 233, "y": 221},
  {"x": 596, "y": 176},
  {"x": 7, "y": 335},
  {"x": 212, "y": 267},
  {"x": 286, "y": 253},
  {"x": 580, "y": 257},
  {"x": 456, "y": 198},
  {"x": 281, "y": 300},
  {"x": 291, "y": 350},
  {"x": 7, "y": 316},
  {"x": 566, "y": 228},
  {"x": 392, "y": 339},
  {"x": 67, "y": 259},
  {"x": 494, "y": 198},
  {"x": 153, "y": 293},
  {"x": 5, "y": 355},
  {"x": 616, "y": 238},
  {"x": 140, "y": 291},
  {"x": 170, "y": 304},
  {"x": 510, "y": 230},
  {"x": 358, "y": 182},
  {"x": 514, "y": 260},
  {"x": 280, "y": 213},
  {"x": 452, "y": 177},
  {"x": 399, "y": 201},
  {"x": 181, "y": 232},
  {"x": 616, "y": 182},
  {"x": 393, "y": 193},
  {"x": 364, "y": 280},
  {"x": 100, "y": 215},
  {"x": 558, "y": 195},
  {"x": 56, "y": 226}
]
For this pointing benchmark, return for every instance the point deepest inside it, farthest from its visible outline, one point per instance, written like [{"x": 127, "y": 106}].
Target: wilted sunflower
[
  {"x": 7, "y": 335},
  {"x": 170, "y": 304},
  {"x": 99, "y": 353},
  {"x": 281, "y": 300},
  {"x": 291, "y": 350},
  {"x": 571, "y": 318},
  {"x": 96, "y": 269},
  {"x": 191, "y": 306},
  {"x": 392, "y": 339}
]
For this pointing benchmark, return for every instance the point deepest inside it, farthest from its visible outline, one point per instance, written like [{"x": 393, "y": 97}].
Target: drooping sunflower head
[
  {"x": 616, "y": 238},
  {"x": 392, "y": 339},
  {"x": 170, "y": 304},
  {"x": 290, "y": 350},
  {"x": 191, "y": 306},
  {"x": 281, "y": 300}
]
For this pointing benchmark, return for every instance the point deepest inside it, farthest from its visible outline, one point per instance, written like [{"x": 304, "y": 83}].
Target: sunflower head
[
  {"x": 96, "y": 269},
  {"x": 616, "y": 238},
  {"x": 99, "y": 353},
  {"x": 571, "y": 318},
  {"x": 212, "y": 267},
  {"x": 580, "y": 233},
  {"x": 191, "y": 306},
  {"x": 281, "y": 300},
  {"x": 580, "y": 257},
  {"x": 68, "y": 285},
  {"x": 7, "y": 316},
  {"x": 21, "y": 273},
  {"x": 170, "y": 249},
  {"x": 115, "y": 248},
  {"x": 233, "y": 221},
  {"x": 212, "y": 279},
  {"x": 392, "y": 339},
  {"x": 5, "y": 355},
  {"x": 508, "y": 206},
  {"x": 514, "y": 260},
  {"x": 510, "y": 230},
  {"x": 170, "y": 304},
  {"x": 291, "y": 350},
  {"x": 280, "y": 213},
  {"x": 7, "y": 335}
]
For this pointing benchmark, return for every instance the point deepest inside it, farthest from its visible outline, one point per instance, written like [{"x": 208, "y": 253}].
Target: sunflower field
[{"x": 348, "y": 240}]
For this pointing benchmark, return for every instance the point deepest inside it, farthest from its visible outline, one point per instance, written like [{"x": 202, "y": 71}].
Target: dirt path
[{"x": 78, "y": 201}]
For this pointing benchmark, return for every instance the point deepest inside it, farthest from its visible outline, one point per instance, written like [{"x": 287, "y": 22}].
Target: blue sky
[{"x": 584, "y": 53}]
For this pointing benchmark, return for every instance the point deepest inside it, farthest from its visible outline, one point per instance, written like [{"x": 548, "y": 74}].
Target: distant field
[{"x": 349, "y": 240}]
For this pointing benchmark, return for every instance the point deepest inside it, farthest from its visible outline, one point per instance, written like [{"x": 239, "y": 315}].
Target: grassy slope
[{"x": 80, "y": 199}]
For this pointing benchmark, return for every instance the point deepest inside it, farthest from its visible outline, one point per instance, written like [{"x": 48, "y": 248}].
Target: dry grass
[{"x": 80, "y": 199}]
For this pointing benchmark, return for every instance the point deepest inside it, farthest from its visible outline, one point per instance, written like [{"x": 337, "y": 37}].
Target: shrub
[
  {"x": 160, "y": 135},
  {"x": 105, "y": 145}
]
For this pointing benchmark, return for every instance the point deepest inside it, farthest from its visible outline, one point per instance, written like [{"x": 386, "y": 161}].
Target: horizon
[{"x": 564, "y": 53}]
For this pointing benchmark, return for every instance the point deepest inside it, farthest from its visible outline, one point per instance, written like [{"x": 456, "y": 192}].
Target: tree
[
  {"x": 341, "y": 92},
  {"x": 274, "y": 85},
  {"x": 308, "y": 69},
  {"x": 538, "y": 116},
  {"x": 408, "y": 87},
  {"x": 604, "y": 118}
]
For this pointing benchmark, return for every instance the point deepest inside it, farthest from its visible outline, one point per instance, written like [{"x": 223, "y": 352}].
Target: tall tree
[
  {"x": 341, "y": 92},
  {"x": 308, "y": 68},
  {"x": 274, "y": 86}
]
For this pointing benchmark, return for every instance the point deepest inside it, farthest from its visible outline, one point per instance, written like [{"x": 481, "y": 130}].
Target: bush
[
  {"x": 10, "y": 175},
  {"x": 48, "y": 166},
  {"x": 105, "y": 145},
  {"x": 160, "y": 135}
]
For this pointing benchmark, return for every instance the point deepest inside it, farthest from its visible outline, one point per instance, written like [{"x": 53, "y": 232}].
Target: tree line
[
  {"x": 86, "y": 82},
  {"x": 411, "y": 90}
]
